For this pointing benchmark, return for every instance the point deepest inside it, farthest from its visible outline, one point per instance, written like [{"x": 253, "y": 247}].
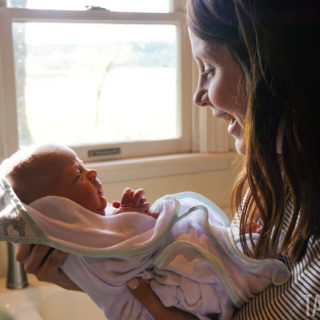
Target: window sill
[{"x": 160, "y": 166}]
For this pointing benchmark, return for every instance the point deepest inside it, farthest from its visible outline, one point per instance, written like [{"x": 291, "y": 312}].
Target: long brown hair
[{"x": 274, "y": 42}]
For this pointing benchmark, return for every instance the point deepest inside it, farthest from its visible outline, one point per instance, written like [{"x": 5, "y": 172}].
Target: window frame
[
  {"x": 199, "y": 131},
  {"x": 128, "y": 149}
]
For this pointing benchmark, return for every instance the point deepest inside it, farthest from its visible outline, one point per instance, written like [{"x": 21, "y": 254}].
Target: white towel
[{"x": 188, "y": 254}]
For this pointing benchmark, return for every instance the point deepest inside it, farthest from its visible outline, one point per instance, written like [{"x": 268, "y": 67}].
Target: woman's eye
[{"x": 209, "y": 74}]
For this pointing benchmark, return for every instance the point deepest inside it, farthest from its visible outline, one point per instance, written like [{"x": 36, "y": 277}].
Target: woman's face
[{"x": 220, "y": 86}]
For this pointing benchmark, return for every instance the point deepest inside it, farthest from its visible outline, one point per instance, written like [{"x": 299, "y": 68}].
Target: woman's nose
[{"x": 200, "y": 97}]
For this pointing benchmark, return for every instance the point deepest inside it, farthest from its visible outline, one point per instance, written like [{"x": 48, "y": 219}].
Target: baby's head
[{"x": 36, "y": 172}]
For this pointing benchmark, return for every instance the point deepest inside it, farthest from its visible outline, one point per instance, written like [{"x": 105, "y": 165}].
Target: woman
[{"x": 259, "y": 67}]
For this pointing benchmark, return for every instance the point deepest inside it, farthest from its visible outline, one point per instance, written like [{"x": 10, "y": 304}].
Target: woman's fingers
[
  {"x": 31, "y": 256},
  {"x": 44, "y": 262},
  {"x": 22, "y": 251},
  {"x": 50, "y": 266},
  {"x": 142, "y": 291},
  {"x": 36, "y": 258},
  {"x": 50, "y": 271}
]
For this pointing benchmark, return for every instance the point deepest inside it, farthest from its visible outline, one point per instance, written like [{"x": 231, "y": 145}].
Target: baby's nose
[{"x": 92, "y": 174}]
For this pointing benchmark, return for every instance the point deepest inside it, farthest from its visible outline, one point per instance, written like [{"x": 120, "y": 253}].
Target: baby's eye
[{"x": 78, "y": 176}]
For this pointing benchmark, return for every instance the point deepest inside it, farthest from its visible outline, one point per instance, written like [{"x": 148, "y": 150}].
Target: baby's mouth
[{"x": 100, "y": 191}]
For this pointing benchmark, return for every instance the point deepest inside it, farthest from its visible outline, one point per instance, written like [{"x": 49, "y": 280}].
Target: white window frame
[{"x": 200, "y": 132}]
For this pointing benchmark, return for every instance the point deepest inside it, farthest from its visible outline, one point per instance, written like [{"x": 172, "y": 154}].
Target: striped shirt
[{"x": 299, "y": 298}]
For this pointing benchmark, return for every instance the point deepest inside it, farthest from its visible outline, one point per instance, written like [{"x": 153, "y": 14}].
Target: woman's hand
[
  {"x": 133, "y": 200},
  {"x": 142, "y": 291},
  {"x": 44, "y": 262}
]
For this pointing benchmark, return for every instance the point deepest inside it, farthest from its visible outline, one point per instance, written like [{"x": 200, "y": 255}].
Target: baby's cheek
[{"x": 82, "y": 196}]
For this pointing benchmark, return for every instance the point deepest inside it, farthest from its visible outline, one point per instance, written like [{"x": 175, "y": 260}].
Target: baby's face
[{"x": 78, "y": 183}]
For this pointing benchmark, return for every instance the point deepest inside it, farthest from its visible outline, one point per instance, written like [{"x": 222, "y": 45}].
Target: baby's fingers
[
  {"x": 126, "y": 197},
  {"x": 116, "y": 204},
  {"x": 153, "y": 214},
  {"x": 137, "y": 198},
  {"x": 144, "y": 205}
]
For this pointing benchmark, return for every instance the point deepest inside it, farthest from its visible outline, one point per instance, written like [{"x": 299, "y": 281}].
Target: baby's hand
[
  {"x": 255, "y": 227},
  {"x": 133, "y": 200}
]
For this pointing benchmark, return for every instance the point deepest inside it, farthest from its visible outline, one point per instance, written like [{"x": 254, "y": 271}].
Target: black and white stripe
[{"x": 299, "y": 298}]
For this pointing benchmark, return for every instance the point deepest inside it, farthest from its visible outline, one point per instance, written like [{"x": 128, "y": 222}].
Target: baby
[
  {"x": 187, "y": 253},
  {"x": 56, "y": 170}
]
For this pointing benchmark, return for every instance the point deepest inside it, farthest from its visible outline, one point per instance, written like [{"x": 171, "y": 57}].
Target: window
[
  {"x": 106, "y": 82},
  {"x": 110, "y": 82},
  {"x": 113, "y": 79},
  {"x": 113, "y": 5}
]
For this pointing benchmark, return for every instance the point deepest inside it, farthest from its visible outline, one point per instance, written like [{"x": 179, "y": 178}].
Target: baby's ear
[{"x": 116, "y": 204}]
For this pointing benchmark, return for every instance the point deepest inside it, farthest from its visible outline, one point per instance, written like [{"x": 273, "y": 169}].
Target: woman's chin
[{"x": 240, "y": 146}]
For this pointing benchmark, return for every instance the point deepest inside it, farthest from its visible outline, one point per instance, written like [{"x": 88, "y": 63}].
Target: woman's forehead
[{"x": 205, "y": 49}]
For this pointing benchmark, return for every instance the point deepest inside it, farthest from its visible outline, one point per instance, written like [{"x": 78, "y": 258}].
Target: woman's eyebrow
[{"x": 213, "y": 52}]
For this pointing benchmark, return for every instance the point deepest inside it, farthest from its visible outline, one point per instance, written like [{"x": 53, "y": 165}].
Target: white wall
[{"x": 215, "y": 185}]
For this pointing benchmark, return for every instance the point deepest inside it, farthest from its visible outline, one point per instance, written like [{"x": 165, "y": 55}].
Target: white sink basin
[{"x": 44, "y": 301}]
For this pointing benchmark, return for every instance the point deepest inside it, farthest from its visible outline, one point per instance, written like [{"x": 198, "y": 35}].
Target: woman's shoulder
[{"x": 299, "y": 298}]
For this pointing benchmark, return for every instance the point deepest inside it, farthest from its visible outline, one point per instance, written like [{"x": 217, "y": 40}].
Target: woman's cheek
[
  {"x": 217, "y": 90},
  {"x": 216, "y": 95}
]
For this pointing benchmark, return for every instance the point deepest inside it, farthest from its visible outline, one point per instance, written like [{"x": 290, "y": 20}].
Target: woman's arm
[
  {"x": 142, "y": 291},
  {"x": 44, "y": 262}
]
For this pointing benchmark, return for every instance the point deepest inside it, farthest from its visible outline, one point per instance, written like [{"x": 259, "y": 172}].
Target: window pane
[
  {"x": 113, "y": 5},
  {"x": 92, "y": 83}
]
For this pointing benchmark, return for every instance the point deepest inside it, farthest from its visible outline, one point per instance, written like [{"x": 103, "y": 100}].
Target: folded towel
[
  {"x": 65, "y": 225},
  {"x": 15, "y": 222}
]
